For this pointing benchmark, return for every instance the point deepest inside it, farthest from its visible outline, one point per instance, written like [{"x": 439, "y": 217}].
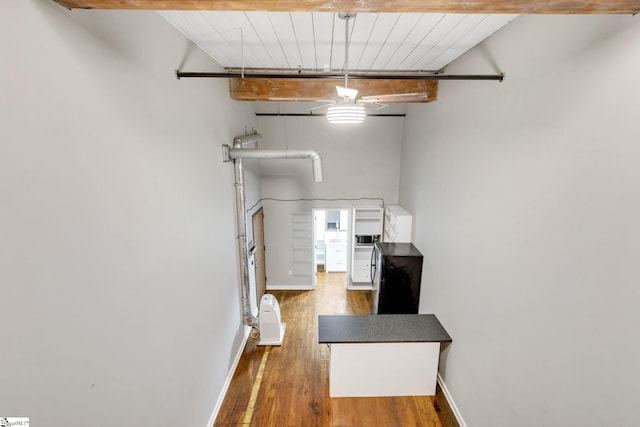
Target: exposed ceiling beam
[
  {"x": 421, "y": 6},
  {"x": 277, "y": 89}
]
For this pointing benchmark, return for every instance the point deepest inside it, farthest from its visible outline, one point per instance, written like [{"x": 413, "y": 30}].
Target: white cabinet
[
  {"x": 367, "y": 222},
  {"x": 336, "y": 256},
  {"x": 397, "y": 225},
  {"x": 361, "y": 268}
]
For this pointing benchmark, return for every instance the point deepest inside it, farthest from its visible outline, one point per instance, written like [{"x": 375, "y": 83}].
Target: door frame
[{"x": 314, "y": 236}]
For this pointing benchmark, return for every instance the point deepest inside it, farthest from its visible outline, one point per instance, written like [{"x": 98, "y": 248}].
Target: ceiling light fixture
[{"x": 346, "y": 113}]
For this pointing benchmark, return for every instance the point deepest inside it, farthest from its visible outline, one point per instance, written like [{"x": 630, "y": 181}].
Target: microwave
[{"x": 367, "y": 239}]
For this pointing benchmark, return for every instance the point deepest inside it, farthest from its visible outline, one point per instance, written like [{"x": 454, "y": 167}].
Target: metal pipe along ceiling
[
  {"x": 257, "y": 153},
  {"x": 337, "y": 76},
  {"x": 237, "y": 153}
]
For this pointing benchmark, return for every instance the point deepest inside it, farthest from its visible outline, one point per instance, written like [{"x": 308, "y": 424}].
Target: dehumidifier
[{"x": 271, "y": 329}]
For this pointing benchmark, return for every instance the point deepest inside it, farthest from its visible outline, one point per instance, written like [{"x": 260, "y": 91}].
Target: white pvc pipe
[
  {"x": 237, "y": 153},
  {"x": 243, "y": 255},
  {"x": 258, "y": 153}
]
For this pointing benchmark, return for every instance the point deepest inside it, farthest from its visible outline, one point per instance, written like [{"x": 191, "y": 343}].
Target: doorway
[{"x": 330, "y": 237}]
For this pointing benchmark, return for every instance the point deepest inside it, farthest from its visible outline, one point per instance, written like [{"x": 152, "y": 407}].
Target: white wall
[
  {"x": 526, "y": 200},
  {"x": 359, "y": 161},
  {"x": 119, "y": 291}
]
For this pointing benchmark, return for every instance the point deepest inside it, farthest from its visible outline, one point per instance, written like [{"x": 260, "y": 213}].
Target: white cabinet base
[
  {"x": 336, "y": 257},
  {"x": 383, "y": 369}
]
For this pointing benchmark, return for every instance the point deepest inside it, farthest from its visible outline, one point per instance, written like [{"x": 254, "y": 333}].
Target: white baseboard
[
  {"x": 452, "y": 404},
  {"x": 225, "y": 387},
  {"x": 359, "y": 288},
  {"x": 290, "y": 288}
]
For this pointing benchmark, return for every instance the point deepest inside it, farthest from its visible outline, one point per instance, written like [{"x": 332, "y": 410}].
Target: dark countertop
[
  {"x": 397, "y": 249},
  {"x": 381, "y": 328}
]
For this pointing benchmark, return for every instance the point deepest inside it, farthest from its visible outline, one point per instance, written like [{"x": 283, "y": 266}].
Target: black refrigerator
[{"x": 396, "y": 275}]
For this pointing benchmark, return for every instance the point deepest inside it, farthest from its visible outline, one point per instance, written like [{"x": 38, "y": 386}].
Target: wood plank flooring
[{"x": 294, "y": 384}]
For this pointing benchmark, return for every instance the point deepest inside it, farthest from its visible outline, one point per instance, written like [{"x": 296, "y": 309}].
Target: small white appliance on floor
[{"x": 271, "y": 329}]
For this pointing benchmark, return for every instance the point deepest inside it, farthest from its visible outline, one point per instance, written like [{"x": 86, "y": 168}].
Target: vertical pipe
[
  {"x": 237, "y": 153},
  {"x": 238, "y": 181}
]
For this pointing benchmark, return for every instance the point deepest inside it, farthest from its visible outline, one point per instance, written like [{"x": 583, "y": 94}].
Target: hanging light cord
[{"x": 346, "y": 51}]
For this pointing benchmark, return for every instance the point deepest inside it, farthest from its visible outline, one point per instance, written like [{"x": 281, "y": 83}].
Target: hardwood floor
[{"x": 292, "y": 386}]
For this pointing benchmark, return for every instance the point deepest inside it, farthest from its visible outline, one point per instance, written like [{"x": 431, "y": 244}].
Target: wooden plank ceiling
[
  {"x": 302, "y": 43},
  {"x": 316, "y": 40},
  {"x": 418, "y": 35},
  {"x": 420, "y": 6}
]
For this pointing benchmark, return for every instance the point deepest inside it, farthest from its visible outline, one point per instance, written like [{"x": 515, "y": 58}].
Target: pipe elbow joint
[{"x": 316, "y": 165}]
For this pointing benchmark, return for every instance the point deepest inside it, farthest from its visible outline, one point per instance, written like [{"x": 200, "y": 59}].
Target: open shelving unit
[
  {"x": 397, "y": 225},
  {"x": 367, "y": 221}
]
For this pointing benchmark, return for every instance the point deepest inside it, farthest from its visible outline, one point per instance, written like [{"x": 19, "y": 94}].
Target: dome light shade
[{"x": 346, "y": 113}]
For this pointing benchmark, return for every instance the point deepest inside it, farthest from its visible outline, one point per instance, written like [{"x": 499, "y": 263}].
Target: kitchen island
[{"x": 382, "y": 355}]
